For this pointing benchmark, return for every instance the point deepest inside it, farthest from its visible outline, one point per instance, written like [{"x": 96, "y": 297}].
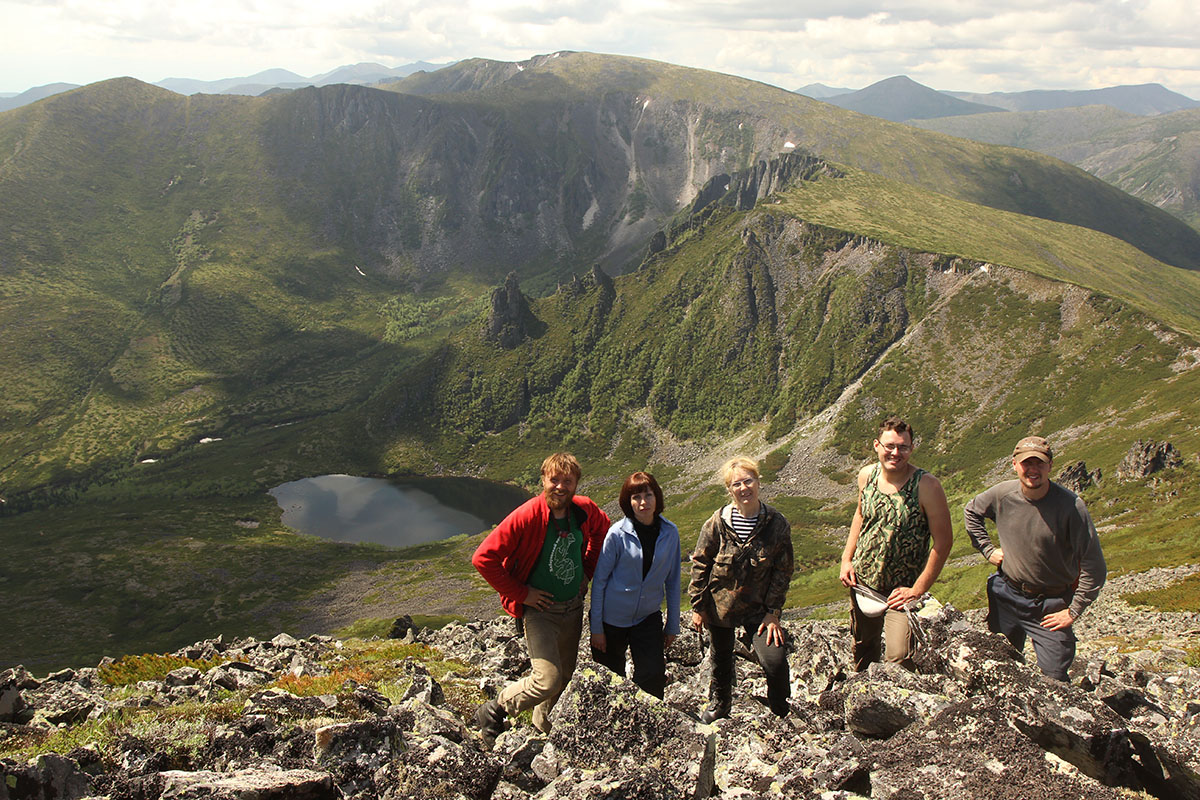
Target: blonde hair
[
  {"x": 736, "y": 463},
  {"x": 562, "y": 464}
]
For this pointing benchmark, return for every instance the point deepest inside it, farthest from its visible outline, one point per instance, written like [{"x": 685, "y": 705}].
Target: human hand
[
  {"x": 996, "y": 557},
  {"x": 600, "y": 642},
  {"x": 902, "y": 596},
  {"x": 668, "y": 640},
  {"x": 697, "y": 620},
  {"x": 847, "y": 576},
  {"x": 1058, "y": 621},
  {"x": 538, "y": 598},
  {"x": 770, "y": 625}
]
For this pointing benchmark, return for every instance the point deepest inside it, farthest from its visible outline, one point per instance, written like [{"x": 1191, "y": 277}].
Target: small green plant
[
  {"x": 1183, "y": 595},
  {"x": 150, "y": 667}
]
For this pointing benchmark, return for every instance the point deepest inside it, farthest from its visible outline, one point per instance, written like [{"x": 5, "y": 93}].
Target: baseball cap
[{"x": 1033, "y": 446}]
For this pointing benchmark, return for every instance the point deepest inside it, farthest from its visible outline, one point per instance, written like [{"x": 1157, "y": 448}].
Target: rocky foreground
[{"x": 252, "y": 721}]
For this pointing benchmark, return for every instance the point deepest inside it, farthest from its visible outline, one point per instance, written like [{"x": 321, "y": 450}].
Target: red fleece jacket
[{"x": 507, "y": 555}]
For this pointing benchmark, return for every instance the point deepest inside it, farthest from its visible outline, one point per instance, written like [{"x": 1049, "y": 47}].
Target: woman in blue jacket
[{"x": 638, "y": 566}]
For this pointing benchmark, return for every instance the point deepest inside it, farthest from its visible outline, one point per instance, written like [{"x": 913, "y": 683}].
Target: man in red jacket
[{"x": 540, "y": 559}]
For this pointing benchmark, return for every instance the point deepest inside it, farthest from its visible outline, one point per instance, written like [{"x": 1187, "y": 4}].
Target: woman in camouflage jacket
[{"x": 740, "y": 573}]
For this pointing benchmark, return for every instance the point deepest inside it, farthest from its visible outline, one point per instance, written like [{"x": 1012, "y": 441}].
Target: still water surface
[{"x": 345, "y": 508}]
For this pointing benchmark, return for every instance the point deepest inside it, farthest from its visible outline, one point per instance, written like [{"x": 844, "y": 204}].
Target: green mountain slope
[
  {"x": 1155, "y": 158},
  {"x": 720, "y": 123},
  {"x": 203, "y": 297}
]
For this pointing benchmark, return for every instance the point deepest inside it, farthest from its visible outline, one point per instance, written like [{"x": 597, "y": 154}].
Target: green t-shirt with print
[{"x": 559, "y": 569}]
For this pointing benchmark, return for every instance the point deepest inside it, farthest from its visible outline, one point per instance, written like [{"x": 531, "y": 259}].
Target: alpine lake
[{"x": 395, "y": 513}]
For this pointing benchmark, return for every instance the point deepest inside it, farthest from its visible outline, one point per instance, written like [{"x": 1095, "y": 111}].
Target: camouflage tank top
[{"x": 893, "y": 545}]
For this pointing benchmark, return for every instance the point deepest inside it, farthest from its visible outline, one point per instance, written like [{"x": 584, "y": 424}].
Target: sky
[{"x": 963, "y": 45}]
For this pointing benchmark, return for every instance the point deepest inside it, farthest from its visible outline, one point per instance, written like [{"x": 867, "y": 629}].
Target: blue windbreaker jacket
[{"x": 620, "y": 596}]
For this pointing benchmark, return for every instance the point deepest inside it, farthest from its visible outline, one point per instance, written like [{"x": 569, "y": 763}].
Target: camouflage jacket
[{"x": 732, "y": 582}]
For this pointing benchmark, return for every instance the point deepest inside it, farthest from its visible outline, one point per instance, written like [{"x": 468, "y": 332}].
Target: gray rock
[
  {"x": 1075, "y": 476},
  {"x": 423, "y": 686},
  {"x": 887, "y": 698},
  {"x": 12, "y": 681},
  {"x": 401, "y": 627},
  {"x": 249, "y": 784},
  {"x": 48, "y": 777},
  {"x": 1146, "y": 458},
  {"x": 235, "y": 675},
  {"x": 437, "y": 767},
  {"x": 973, "y": 749},
  {"x": 184, "y": 676},
  {"x": 284, "y": 641},
  {"x": 283, "y": 703},
  {"x": 603, "y": 719}
]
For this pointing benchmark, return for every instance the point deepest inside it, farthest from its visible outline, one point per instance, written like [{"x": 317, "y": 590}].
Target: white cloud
[{"x": 980, "y": 45}]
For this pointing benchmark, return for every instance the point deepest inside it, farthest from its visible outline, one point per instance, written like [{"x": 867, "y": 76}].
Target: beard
[{"x": 558, "y": 501}]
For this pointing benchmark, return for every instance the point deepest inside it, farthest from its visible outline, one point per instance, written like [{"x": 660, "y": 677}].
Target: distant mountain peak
[{"x": 900, "y": 98}]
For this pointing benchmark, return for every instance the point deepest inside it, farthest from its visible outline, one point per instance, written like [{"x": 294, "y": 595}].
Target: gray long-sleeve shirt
[{"x": 1047, "y": 542}]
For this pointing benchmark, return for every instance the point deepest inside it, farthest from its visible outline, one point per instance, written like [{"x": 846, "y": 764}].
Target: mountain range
[
  {"x": 363, "y": 74},
  {"x": 456, "y": 273},
  {"x": 900, "y": 98},
  {"x": 1142, "y": 139}
]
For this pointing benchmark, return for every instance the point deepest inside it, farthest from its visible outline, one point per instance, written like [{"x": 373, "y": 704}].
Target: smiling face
[
  {"x": 558, "y": 489},
  {"x": 894, "y": 449},
  {"x": 1034, "y": 474},
  {"x": 743, "y": 488}
]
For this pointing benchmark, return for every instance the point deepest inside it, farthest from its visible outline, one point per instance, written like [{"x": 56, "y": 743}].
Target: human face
[
  {"x": 558, "y": 490},
  {"x": 893, "y": 450},
  {"x": 743, "y": 488},
  {"x": 644, "y": 504},
  {"x": 1034, "y": 475}
]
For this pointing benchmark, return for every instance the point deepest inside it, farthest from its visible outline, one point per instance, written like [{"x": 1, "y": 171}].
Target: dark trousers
[
  {"x": 772, "y": 659},
  {"x": 645, "y": 644},
  {"x": 1015, "y": 615}
]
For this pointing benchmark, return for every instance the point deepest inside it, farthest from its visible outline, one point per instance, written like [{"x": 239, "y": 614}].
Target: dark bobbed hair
[{"x": 636, "y": 483}]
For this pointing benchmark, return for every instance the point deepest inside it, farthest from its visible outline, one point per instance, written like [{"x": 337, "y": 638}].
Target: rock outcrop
[
  {"x": 1146, "y": 458},
  {"x": 974, "y": 721},
  {"x": 510, "y": 320},
  {"x": 1075, "y": 476}
]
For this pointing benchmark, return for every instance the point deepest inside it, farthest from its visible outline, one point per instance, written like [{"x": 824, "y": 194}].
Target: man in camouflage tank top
[{"x": 900, "y": 509}]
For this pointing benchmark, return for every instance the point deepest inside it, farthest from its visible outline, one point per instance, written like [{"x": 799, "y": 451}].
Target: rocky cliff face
[{"x": 974, "y": 721}]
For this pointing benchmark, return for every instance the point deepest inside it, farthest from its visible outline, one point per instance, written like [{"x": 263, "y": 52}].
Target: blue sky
[{"x": 968, "y": 45}]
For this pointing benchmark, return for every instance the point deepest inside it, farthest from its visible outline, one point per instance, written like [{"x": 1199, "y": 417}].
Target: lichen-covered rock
[
  {"x": 48, "y": 777},
  {"x": 12, "y": 681},
  {"x": 602, "y": 719},
  {"x": 284, "y": 703},
  {"x": 974, "y": 721},
  {"x": 249, "y": 784},
  {"x": 887, "y": 698},
  {"x": 233, "y": 676},
  {"x": 435, "y": 767},
  {"x": 973, "y": 749},
  {"x": 423, "y": 686},
  {"x": 819, "y": 654}
]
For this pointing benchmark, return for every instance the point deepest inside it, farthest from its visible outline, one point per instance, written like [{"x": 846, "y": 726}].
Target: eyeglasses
[{"x": 896, "y": 448}]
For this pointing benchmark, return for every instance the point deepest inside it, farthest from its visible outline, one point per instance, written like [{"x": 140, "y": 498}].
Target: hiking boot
[
  {"x": 719, "y": 704},
  {"x": 717, "y": 709},
  {"x": 489, "y": 718}
]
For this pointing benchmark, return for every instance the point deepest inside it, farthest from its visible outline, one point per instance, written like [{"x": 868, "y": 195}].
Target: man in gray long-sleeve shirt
[{"x": 1049, "y": 563}]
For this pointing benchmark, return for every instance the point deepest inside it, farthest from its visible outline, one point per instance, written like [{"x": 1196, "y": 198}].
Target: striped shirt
[{"x": 742, "y": 526}]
